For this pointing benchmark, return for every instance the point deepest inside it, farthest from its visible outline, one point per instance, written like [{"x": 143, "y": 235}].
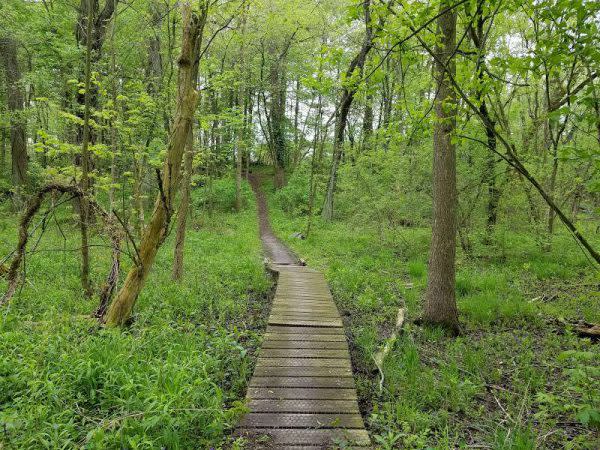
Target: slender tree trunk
[
  {"x": 84, "y": 209},
  {"x": 18, "y": 125},
  {"x": 114, "y": 138},
  {"x": 477, "y": 33},
  {"x": 156, "y": 231},
  {"x": 238, "y": 174},
  {"x": 277, "y": 114},
  {"x": 138, "y": 196},
  {"x": 440, "y": 301},
  {"x": 184, "y": 205},
  {"x": 296, "y": 156},
  {"x": 552, "y": 189},
  {"x": 357, "y": 64},
  {"x": 3, "y": 136},
  {"x": 313, "y": 165},
  {"x": 367, "y": 125}
]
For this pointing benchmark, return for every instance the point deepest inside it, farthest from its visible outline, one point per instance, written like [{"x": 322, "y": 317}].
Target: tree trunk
[
  {"x": 367, "y": 125},
  {"x": 477, "y": 33},
  {"x": 238, "y": 174},
  {"x": 344, "y": 108},
  {"x": 184, "y": 205},
  {"x": 277, "y": 120},
  {"x": 16, "y": 102},
  {"x": 156, "y": 231},
  {"x": 551, "y": 191},
  {"x": 3, "y": 136},
  {"x": 313, "y": 165},
  {"x": 84, "y": 209},
  {"x": 440, "y": 301}
]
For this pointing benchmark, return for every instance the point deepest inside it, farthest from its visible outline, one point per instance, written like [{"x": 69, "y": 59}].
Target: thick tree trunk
[
  {"x": 16, "y": 103},
  {"x": 156, "y": 231},
  {"x": 440, "y": 301}
]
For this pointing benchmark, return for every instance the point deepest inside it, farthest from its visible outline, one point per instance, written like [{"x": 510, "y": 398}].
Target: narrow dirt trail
[
  {"x": 302, "y": 394},
  {"x": 274, "y": 249}
]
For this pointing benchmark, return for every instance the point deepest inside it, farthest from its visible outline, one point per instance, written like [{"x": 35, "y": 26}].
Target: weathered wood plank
[
  {"x": 321, "y": 438},
  {"x": 338, "y": 372},
  {"x": 310, "y": 315},
  {"x": 302, "y": 362},
  {"x": 300, "y": 382},
  {"x": 304, "y": 406},
  {"x": 320, "y": 421},
  {"x": 305, "y": 308},
  {"x": 306, "y": 303},
  {"x": 336, "y": 323},
  {"x": 303, "y": 353},
  {"x": 302, "y": 330},
  {"x": 275, "y": 336},
  {"x": 298, "y": 393},
  {"x": 291, "y": 344}
]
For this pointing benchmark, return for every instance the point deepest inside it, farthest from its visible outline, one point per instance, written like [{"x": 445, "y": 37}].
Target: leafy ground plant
[{"x": 175, "y": 379}]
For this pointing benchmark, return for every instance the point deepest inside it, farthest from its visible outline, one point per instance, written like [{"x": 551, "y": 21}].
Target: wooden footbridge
[{"x": 302, "y": 394}]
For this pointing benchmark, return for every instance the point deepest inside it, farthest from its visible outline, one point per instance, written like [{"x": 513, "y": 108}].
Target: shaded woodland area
[{"x": 438, "y": 161}]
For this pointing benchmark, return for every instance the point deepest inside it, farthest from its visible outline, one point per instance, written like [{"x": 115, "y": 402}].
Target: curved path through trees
[{"x": 302, "y": 394}]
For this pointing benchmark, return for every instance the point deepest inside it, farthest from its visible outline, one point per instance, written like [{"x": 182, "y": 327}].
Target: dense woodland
[{"x": 438, "y": 158}]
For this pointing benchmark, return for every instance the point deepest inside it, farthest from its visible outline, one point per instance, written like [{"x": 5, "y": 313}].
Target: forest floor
[
  {"x": 518, "y": 377},
  {"x": 176, "y": 378}
]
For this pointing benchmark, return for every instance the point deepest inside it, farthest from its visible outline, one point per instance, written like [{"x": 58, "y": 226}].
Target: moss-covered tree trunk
[{"x": 156, "y": 231}]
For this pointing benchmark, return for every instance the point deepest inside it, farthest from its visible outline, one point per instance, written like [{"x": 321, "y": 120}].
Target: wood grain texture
[{"x": 302, "y": 394}]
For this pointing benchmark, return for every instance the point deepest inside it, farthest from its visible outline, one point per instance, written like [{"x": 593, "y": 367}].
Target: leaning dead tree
[
  {"x": 34, "y": 205},
  {"x": 169, "y": 178}
]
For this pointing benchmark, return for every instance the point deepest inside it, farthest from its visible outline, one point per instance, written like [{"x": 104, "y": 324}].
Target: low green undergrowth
[
  {"x": 518, "y": 377},
  {"x": 175, "y": 379}
]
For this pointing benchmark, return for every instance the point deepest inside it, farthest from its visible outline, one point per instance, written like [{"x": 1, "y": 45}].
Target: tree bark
[
  {"x": 478, "y": 35},
  {"x": 357, "y": 64},
  {"x": 16, "y": 102},
  {"x": 367, "y": 125},
  {"x": 84, "y": 209},
  {"x": 156, "y": 231},
  {"x": 440, "y": 301},
  {"x": 277, "y": 119},
  {"x": 184, "y": 205}
]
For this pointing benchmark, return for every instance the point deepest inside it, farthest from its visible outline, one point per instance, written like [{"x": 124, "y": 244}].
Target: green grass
[
  {"x": 175, "y": 379},
  {"x": 506, "y": 382}
]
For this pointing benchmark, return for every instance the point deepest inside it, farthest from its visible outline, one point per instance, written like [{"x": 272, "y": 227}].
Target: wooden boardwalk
[{"x": 302, "y": 394}]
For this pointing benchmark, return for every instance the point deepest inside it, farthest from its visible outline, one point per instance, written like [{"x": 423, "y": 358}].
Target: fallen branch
[{"x": 380, "y": 356}]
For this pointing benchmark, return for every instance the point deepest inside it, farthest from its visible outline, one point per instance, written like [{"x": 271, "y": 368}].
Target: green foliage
[
  {"x": 219, "y": 195},
  {"x": 175, "y": 379},
  {"x": 500, "y": 384}
]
